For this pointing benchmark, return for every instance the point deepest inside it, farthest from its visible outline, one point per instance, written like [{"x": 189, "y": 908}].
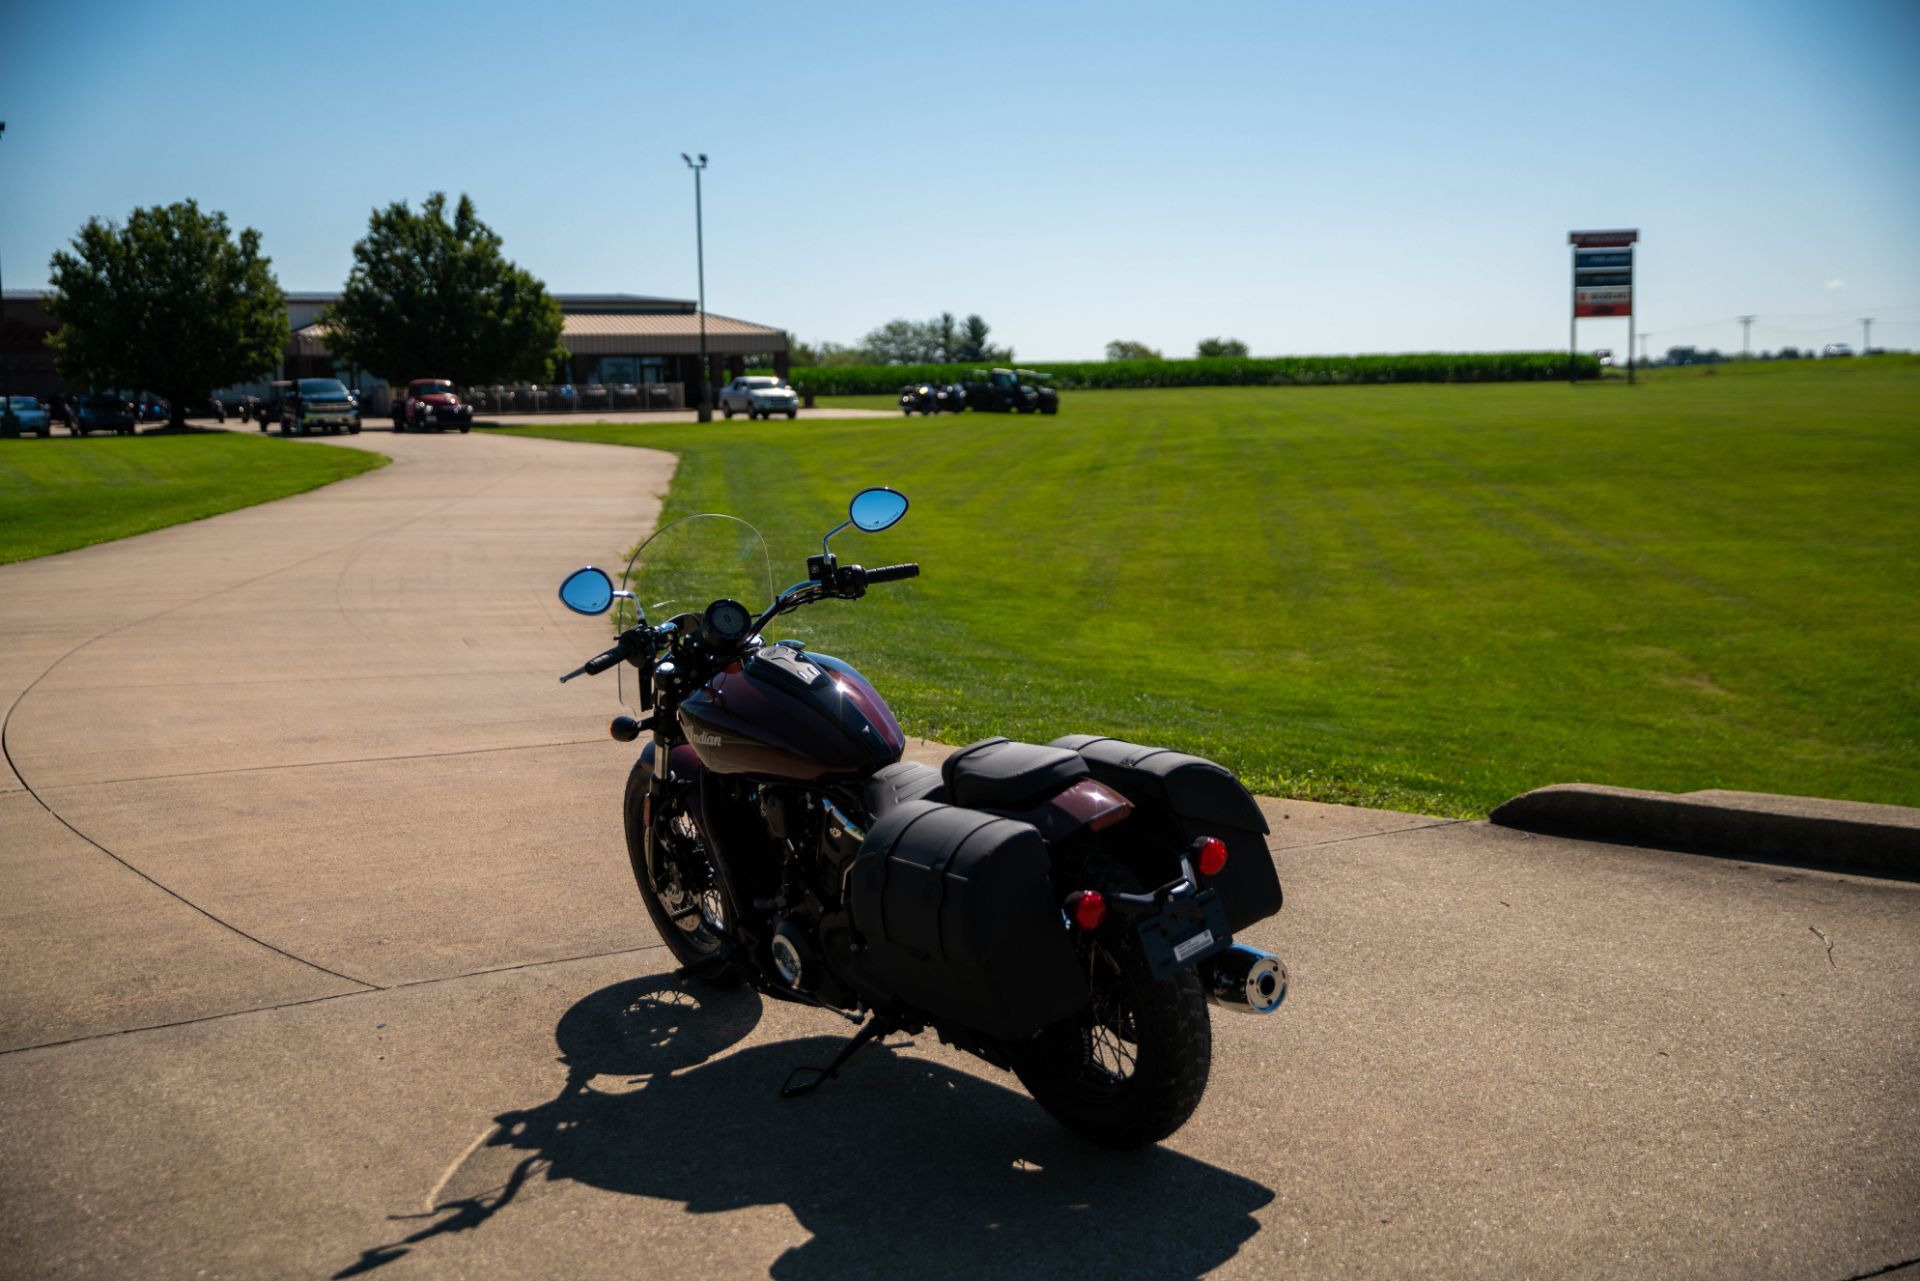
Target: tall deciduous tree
[
  {"x": 170, "y": 303},
  {"x": 1220, "y": 347},
  {"x": 1126, "y": 349},
  {"x": 432, "y": 297}
]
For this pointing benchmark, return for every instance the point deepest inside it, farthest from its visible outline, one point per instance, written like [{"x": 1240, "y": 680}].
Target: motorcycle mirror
[
  {"x": 873, "y": 510},
  {"x": 587, "y": 591}
]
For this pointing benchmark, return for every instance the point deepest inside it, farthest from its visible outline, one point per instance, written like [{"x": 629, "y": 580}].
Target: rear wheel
[
  {"x": 677, "y": 883},
  {"x": 1130, "y": 1070}
]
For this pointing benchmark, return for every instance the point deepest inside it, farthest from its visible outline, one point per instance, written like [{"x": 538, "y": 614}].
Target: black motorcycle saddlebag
[
  {"x": 959, "y": 919},
  {"x": 1182, "y": 798}
]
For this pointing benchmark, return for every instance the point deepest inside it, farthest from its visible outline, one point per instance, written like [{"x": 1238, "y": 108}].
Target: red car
[{"x": 431, "y": 404}]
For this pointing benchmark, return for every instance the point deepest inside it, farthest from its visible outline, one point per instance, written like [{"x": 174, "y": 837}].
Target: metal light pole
[
  {"x": 700, "y": 250},
  {"x": 6, "y": 369},
  {"x": 1746, "y": 327}
]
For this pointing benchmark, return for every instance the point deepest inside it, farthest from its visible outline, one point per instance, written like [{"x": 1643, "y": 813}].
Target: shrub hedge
[{"x": 1224, "y": 371}]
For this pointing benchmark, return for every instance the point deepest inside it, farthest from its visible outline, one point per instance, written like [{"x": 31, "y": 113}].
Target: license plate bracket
[{"x": 1185, "y": 931}]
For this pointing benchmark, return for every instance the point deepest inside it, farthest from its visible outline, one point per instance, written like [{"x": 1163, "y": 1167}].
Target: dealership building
[{"x": 624, "y": 341}]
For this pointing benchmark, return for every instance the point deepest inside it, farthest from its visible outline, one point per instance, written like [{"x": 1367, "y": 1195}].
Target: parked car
[
  {"x": 1046, "y": 397},
  {"x": 1838, "y": 349},
  {"x": 1009, "y": 391},
  {"x": 266, "y": 409},
  {"x": 431, "y": 404},
  {"x": 103, "y": 412},
  {"x": 25, "y": 416},
  {"x": 760, "y": 396},
  {"x": 318, "y": 404}
]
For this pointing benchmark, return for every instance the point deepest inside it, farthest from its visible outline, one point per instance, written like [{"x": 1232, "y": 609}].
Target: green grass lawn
[
  {"x": 60, "y": 493},
  {"x": 1417, "y": 597}
]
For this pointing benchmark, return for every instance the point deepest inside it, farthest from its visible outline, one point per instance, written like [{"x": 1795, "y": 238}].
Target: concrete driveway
[{"x": 322, "y": 958}]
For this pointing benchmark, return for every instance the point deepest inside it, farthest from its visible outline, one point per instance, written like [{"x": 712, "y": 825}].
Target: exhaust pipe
[{"x": 1245, "y": 980}]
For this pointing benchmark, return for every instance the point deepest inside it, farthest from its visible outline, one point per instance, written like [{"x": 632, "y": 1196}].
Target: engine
[{"x": 809, "y": 841}]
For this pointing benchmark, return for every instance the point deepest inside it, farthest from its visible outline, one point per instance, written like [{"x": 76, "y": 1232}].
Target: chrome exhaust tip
[{"x": 1245, "y": 980}]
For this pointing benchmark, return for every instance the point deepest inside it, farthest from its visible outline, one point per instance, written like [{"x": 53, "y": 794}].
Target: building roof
[
  {"x": 670, "y": 334},
  {"x": 629, "y": 334}
]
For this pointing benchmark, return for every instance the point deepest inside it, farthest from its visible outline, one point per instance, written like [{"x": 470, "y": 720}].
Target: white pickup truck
[{"x": 760, "y": 396}]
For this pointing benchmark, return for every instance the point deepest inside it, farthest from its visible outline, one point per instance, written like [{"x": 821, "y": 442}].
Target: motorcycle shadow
[{"x": 900, "y": 1163}]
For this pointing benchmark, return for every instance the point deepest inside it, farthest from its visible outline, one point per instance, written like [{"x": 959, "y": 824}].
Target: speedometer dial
[{"x": 727, "y": 620}]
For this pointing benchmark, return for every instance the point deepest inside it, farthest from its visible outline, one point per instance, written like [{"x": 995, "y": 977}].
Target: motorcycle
[{"x": 1066, "y": 911}]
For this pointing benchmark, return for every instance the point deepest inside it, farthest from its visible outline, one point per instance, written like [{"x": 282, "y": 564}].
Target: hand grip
[{"x": 887, "y": 573}]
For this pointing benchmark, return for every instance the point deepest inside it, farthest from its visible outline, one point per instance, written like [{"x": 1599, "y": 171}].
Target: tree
[
  {"x": 1220, "y": 347},
  {"x": 903, "y": 342},
  {"x": 1123, "y": 349},
  {"x": 974, "y": 347},
  {"x": 428, "y": 297},
  {"x": 170, "y": 303},
  {"x": 949, "y": 341}
]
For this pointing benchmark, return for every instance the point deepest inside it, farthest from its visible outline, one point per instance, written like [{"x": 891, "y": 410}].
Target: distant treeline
[{"x": 1224, "y": 371}]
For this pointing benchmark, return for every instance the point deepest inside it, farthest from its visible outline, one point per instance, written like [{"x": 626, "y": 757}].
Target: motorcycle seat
[
  {"x": 998, "y": 774},
  {"x": 901, "y": 782}
]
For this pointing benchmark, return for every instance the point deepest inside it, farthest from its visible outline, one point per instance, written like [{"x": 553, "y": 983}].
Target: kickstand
[
  {"x": 705, "y": 968},
  {"x": 873, "y": 1031}
]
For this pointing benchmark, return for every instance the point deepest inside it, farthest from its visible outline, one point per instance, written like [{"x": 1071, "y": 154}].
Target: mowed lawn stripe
[{"x": 1423, "y": 597}]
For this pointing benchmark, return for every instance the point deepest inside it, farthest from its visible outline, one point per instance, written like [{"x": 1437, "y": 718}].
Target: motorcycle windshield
[{"x": 684, "y": 567}]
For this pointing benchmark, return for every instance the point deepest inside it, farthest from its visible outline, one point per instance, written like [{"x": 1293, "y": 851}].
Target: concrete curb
[{"x": 1880, "y": 840}]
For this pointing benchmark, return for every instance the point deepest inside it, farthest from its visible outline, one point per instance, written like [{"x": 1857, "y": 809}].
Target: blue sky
[{"x": 1316, "y": 178}]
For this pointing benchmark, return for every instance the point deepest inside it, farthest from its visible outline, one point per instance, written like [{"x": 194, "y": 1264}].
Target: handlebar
[{"x": 849, "y": 582}]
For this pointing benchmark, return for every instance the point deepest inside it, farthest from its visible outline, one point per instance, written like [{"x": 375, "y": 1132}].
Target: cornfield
[{"x": 1224, "y": 371}]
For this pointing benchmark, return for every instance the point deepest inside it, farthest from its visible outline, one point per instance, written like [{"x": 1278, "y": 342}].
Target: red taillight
[
  {"x": 1213, "y": 856},
  {"x": 1086, "y": 909}
]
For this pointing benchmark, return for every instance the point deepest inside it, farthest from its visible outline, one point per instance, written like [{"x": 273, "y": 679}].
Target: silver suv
[{"x": 760, "y": 396}]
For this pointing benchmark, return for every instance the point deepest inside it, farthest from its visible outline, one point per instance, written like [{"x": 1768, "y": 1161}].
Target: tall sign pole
[{"x": 1602, "y": 284}]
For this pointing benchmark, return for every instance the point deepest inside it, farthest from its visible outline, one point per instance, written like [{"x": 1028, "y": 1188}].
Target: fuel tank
[{"x": 791, "y": 714}]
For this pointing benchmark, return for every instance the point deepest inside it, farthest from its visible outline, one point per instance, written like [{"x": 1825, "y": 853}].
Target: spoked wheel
[
  {"x": 677, "y": 882},
  {"x": 1132, "y": 1068}
]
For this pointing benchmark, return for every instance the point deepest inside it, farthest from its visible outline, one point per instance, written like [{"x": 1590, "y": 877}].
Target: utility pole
[
  {"x": 700, "y": 249},
  {"x": 1643, "y": 347},
  {"x": 1746, "y": 327},
  {"x": 1866, "y": 334}
]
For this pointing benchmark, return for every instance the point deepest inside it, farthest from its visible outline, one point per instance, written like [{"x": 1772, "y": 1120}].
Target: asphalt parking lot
[{"x": 322, "y": 958}]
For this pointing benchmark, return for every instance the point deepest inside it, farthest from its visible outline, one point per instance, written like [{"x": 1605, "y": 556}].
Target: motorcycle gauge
[{"x": 727, "y": 621}]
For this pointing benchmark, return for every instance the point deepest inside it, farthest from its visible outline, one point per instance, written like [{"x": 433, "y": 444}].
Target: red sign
[
  {"x": 1602, "y": 239},
  {"x": 1615, "y": 301}
]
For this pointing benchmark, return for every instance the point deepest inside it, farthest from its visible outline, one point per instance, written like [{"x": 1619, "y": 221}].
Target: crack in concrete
[
  {"x": 1880, "y": 1272},
  {"x": 6, "y": 721},
  {"x": 369, "y": 989},
  {"x": 348, "y": 760},
  {"x": 1367, "y": 836}
]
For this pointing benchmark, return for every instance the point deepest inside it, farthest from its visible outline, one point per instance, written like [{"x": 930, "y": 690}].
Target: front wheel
[
  {"x": 1131, "y": 1069},
  {"x": 677, "y": 883}
]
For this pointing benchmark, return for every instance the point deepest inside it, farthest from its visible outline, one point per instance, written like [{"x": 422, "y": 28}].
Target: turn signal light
[
  {"x": 624, "y": 729},
  {"x": 1213, "y": 856},
  {"x": 1086, "y": 909}
]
